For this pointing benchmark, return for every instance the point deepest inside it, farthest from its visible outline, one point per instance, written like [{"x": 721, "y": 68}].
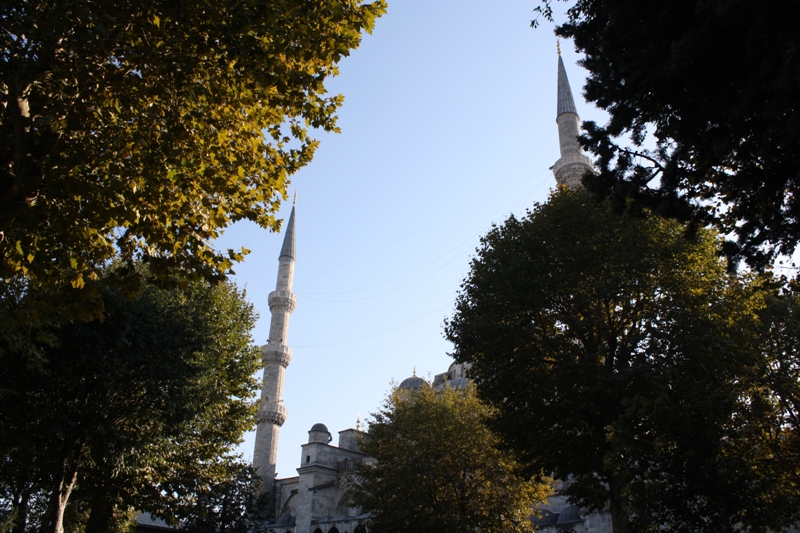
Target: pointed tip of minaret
[
  {"x": 288, "y": 248},
  {"x": 566, "y": 104}
]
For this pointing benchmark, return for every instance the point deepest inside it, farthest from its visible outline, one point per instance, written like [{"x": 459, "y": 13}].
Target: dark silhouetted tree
[
  {"x": 139, "y": 410},
  {"x": 624, "y": 359},
  {"x": 713, "y": 84}
]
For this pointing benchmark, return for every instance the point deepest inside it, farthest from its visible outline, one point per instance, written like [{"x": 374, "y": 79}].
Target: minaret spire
[
  {"x": 276, "y": 355},
  {"x": 566, "y": 104},
  {"x": 288, "y": 248},
  {"x": 573, "y": 164}
]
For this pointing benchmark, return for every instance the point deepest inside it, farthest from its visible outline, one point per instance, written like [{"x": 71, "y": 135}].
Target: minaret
[
  {"x": 573, "y": 164},
  {"x": 276, "y": 354}
]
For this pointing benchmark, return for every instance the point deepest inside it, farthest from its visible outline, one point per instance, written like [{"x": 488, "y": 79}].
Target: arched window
[
  {"x": 318, "y": 530},
  {"x": 360, "y": 529},
  {"x": 333, "y": 530}
]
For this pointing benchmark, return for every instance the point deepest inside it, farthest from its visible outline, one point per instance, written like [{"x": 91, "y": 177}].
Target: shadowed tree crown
[{"x": 621, "y": 357}]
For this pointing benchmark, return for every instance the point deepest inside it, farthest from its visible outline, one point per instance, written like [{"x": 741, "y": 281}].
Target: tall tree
[
  {"x": 771, "y": 440},
  {"x": 138, "y": 410},
  {"x": 620, "y": 357},
  {"x": 713, "y": 83},
  {"x": 438, "y": 468},
  {"x": 138, "y": 131}
]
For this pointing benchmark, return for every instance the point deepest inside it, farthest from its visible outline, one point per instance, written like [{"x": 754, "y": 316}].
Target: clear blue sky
[{"x": 448, "y": 126}]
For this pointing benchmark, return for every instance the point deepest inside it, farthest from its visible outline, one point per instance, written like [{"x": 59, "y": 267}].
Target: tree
[
  {"x": 139, "y": 131},
  {"x": 771, "y": 441},
  {"x": 621, "y": 357},
  {"x": 235, "y": 504},
  {"x": 438, "y": 468},
  {"x": 727, "y": 144},
  {"x": 139, "y": 410}
]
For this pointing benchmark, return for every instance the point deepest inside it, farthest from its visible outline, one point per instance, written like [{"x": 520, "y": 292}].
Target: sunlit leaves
[
  {"x": 153, "y": 127},
  {"x": 438, "y": 468}
]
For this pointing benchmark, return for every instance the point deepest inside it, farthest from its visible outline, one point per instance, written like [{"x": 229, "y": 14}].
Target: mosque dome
[
  {"x": 414, "y": 382},
  {"x": 456, "y": 384},
  {"x": 570, "y": 515},
  {"x": 319, "y": 433}
]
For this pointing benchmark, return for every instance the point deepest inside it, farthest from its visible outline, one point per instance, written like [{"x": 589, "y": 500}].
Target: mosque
[{"x": 310, "y": 502}]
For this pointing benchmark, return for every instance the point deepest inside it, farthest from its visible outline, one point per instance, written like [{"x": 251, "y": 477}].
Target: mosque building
[{"x": 311, "y": 501}]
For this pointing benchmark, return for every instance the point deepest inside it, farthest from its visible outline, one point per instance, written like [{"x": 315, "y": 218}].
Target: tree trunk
[
  {"x": 58, "y": 501},
  {"x": 101, "y": 513},
  {"x": 21, "y": 513},
  {"x": 619, "y": 517},
  {"x": 63, "y": 485}
]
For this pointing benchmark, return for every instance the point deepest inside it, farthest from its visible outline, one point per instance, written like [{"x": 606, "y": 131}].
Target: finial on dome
[
  {"x": 415, "y": 371},
  {"x": 294, "y": 202},
  {"x": 558, "y": 48},
  {"x": 358, "y": 422}
]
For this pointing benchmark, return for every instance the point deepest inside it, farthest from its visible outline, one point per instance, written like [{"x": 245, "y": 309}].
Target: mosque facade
[{"x": 312, "y": 501}]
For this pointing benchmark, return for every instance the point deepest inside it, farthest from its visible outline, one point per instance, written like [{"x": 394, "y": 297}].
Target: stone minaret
[
  {"x": 573, "y": 164},
  {"x": 271, "y": 412}
]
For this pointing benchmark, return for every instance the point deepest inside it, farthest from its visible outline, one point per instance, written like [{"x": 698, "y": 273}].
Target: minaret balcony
[
  {"x": 570, "y": 169},
  {"x": 571, "y": 159},
  {"x": 283, "y": 300},
  {"x": 276, "y": 354},
  {"x": 272, "y": 413}
]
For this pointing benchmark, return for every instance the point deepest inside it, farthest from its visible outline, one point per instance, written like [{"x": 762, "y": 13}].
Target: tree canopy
[
  {"x": 624, "y": 359},
  {"x": 438, "y": 468},
  {"x": 138, "y": 411},
  {"x": 139, "y": 131},
  {"x": 235, "y": 504},
  {"x": 714, "y": 84}
]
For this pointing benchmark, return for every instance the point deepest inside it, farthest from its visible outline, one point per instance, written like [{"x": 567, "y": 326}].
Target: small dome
[
  {"x": 457, "y": 384},
  {"x": 414, "y": 382},
  {"x": 319, "y": 433},
  {"x": 570, "y": 515}
]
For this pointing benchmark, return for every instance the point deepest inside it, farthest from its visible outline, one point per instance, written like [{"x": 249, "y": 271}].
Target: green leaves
[
  {"x": 438, "y": 468},
  {"x": 157, "y": 394},
  {"x": 231, "y": 504},
  {"x": 144, "y": 137},
  {"x": 688, "y": 136},
  {"x": 625, "y": 341}
]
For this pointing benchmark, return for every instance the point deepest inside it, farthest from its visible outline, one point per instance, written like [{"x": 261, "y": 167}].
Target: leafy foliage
[
  {"x": 438, "y": 468},
  {"x": 715, "y": 84},
  {"x": 623, "y": 358},
  {"x": 234, "y": 505},
  {"x": 139, "y": 131},
  {"x": 139, "y": 410}
]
